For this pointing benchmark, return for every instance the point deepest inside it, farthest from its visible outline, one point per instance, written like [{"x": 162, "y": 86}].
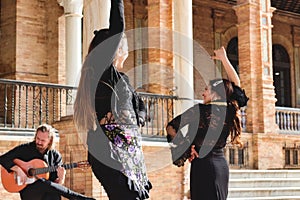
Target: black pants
[
  {"x": 113, "y": 181},
  {"x": 46, "y": 190},
  {"x": 209, "y": 177}
]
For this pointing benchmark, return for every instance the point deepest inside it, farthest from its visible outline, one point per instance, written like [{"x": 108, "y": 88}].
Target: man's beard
[{"x": 41, "y": 148}]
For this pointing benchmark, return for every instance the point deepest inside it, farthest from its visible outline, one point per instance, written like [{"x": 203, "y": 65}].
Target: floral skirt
[{"x": 125, "y": 146}]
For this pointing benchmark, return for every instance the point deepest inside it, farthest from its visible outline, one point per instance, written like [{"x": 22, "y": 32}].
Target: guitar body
[
  {"x": 34, "y": 169},
  {"x": 9, "y": 180}
]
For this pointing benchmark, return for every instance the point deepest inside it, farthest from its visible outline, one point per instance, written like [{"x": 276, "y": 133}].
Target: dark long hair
[{"x": 224, "y": 88}]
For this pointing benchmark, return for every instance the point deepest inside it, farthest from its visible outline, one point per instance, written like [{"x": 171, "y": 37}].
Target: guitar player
[{"x": 41, "y": 148}]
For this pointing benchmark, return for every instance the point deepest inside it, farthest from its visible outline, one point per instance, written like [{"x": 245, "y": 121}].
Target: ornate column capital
[{"x": 72, "y": 7}]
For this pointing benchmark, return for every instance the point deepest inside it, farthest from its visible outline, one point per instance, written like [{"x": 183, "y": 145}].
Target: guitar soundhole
[{"x": 31, "y": 172}]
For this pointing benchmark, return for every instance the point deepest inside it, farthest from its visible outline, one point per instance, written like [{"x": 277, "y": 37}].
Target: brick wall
[
  {"x": 33, "y": 49},
  {"x": 167, "y": 179},
  {"x": 8, "y": 38},
  {"x": 169, "y": 182},
  {"x": 31, "y": 33}
]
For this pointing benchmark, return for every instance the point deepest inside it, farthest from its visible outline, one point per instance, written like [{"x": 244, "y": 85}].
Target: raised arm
[
  {"x": 116, "y": 19},
  {"x": 220, "y": 54}
]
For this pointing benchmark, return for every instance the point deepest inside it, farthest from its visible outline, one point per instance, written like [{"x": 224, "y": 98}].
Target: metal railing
[
  {"x": 26, "y": 105},
  {"x": 159, "y": 111}
]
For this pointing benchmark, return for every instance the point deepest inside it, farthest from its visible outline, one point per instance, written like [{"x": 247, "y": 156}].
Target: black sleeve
[
  {"x": 116, "y": 27},
  {"x": 239, "y": 95},
  {"x": 190, "y": 116},
  {"x": 6, "y": 160},
  {"x": 116, "y": 19},
  {"x": 56, "y": 161},
  {"x": 142, "y": 108},
  {"x": 101, "y": 57}
]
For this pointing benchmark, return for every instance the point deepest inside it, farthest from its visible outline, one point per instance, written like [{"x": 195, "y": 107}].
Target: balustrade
[{"x": 26, "y": 105}]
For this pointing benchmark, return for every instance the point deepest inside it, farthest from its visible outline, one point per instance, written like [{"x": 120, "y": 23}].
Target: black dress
[
  {"x": 208, "y": 129},
  {"x": 121, "y": 171}
]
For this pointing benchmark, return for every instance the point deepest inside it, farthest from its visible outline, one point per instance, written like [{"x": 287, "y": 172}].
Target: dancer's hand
[
  {"x": 220, "y": 54},
  {"x": 171, "y": 131},
  {"x": 194, "y": 153}
]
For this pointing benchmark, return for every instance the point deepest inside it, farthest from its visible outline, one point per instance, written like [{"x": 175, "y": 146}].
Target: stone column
[
  {"x": 73, "y": 15},
  {"x": 160, "y": 41},
  {"x": 160, "y": 53},
  {"x": 255, "y": 59},
  {"x": 183, "y": 50},
  {"x": 183, "y": 64},
  {"x": 96, "y": 16},
  {"x": 296, "y": 43}
]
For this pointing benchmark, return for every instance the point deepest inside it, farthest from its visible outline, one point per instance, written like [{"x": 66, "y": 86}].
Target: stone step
[
  {"x": 247, "y": 174},
  {"x": 263, "y": 192},
  {"x": 266, "y": 198},
  {"x": 264, "y": 182}
]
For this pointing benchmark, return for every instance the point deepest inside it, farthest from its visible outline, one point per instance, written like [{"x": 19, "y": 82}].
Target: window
[
  {"x": 231, "y": 156},
  {"x": 233, "y": 53},
  {"x": 241, "y": 157},
  {"x": 295, "y": 157},
  {"x": 287, "y": 157},
  {"x": 281, "y": 76}
]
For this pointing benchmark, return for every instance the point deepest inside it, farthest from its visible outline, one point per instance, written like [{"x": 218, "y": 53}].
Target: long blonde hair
[{"x": 84, "y": 105}]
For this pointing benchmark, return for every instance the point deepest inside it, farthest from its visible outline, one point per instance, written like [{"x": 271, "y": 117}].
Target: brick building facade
[{"x": 262, "y": 42}]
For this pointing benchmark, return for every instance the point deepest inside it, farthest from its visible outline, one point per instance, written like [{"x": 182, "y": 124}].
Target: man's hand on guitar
[
  {"x": 20, "y": 174},
  {"x": 61, "y": 173}
]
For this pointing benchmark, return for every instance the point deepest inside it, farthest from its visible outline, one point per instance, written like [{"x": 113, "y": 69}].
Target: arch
[
  {"x": 281, "y": 75},
  {"x": 230, "y": 41},
  {"x": 286, "y": 43},
  {"x": 288, "y": 46},
  {"x": 233, "y": 53},
  {"x": 228, "y": 34}
]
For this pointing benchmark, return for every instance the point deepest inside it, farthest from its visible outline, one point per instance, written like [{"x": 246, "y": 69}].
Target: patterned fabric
[
  {"x": 124, "y": 135},
  {"x": 126, "y": 148}
]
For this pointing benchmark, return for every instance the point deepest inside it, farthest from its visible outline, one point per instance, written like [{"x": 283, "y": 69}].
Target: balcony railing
[
  {"x": 25, "y": 105},
  {"x": 288, "y": 120}
]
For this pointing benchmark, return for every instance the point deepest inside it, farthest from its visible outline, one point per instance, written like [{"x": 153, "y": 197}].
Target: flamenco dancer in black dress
[
  {"x": 210, "y": 124},
  {"x": 109, "y": 111}
]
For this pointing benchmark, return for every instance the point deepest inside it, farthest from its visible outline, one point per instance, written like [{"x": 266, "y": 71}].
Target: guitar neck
[{"x": 37, "y": 171}]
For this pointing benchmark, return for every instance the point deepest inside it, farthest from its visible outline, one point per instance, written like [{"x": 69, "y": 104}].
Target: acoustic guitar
[{"x": 34, "y": 169}]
